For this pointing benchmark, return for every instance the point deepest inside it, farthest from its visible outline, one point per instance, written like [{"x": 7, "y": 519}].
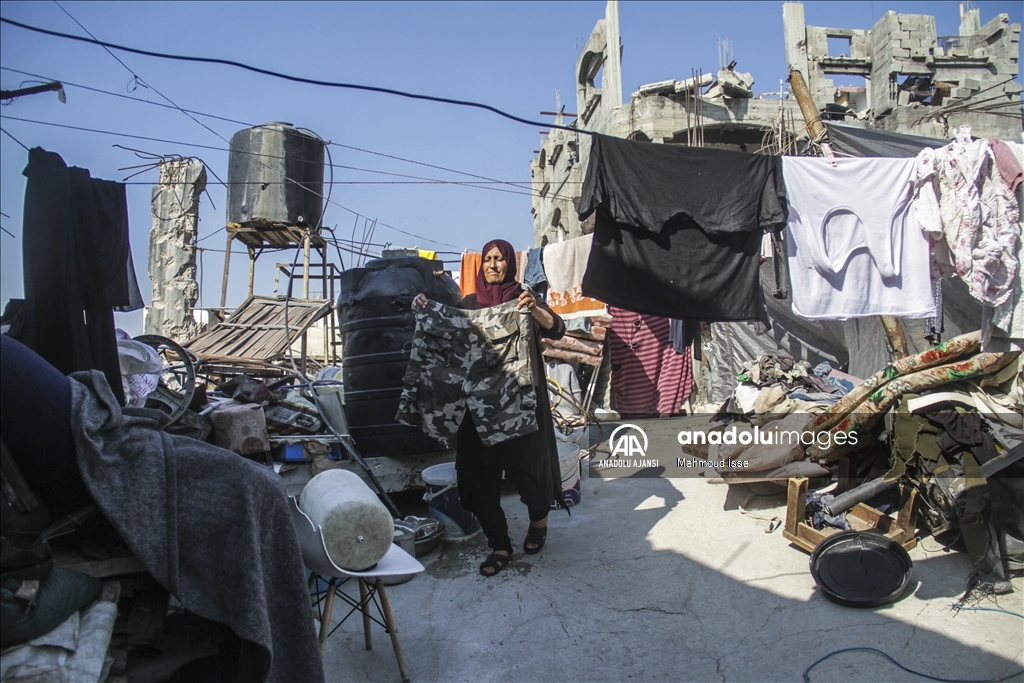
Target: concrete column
[
  {"x": 795, "y": 34},
  {"x": 172, "y": 255},
  {"x": 611, "y": 79}
]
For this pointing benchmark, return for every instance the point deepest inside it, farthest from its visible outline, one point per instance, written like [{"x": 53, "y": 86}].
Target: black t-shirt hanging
[{"x": 678, "y": 229}]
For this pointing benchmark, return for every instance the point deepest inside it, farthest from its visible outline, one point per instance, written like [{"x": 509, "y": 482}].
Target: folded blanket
[{"x": 212, "y": 528}]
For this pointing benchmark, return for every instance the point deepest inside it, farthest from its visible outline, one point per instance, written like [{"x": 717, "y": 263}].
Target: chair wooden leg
[
  {"x": 364, "y": 599},
  {"x": 389, "y": 619},
  {"x": 325, "y": 621}
]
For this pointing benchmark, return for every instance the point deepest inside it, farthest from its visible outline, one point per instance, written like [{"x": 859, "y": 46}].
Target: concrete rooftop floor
[{"x": 665, "y": 580}]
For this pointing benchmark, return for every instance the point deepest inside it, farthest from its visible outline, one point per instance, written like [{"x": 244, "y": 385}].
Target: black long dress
[{"x": 529, "y": 461}]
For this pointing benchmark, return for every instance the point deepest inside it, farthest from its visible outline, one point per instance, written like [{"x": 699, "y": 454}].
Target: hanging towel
[
  {"x": 522, "y": 257},
  {"x": 471, "y": 262},
  {"x": 564, "y": 265},
  {"x": 854, "y": 245}
]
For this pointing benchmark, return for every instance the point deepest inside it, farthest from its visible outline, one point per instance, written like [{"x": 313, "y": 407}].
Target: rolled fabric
[
  {"x": 357, "y": 527},
  {"x": 868, "y": 412},
  {"x": 943, "y": 353}
]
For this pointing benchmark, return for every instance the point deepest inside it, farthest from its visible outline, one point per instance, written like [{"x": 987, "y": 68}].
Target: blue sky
[{"x": 513, "y": 56}]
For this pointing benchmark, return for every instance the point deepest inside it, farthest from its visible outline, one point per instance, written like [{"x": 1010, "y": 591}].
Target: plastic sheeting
[{"x": 853, "y": 141}]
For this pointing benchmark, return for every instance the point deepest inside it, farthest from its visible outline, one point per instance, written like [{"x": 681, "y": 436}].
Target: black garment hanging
[
  {"x": 77, "y": 266},
  {"x": 678, "y": 229}
]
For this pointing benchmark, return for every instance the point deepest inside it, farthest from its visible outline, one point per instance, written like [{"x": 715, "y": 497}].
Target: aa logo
[{"x": 628, "y": 441}]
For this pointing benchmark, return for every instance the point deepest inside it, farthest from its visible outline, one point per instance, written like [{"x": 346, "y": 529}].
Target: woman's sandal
[
  {"x": 535, "y": 536},
  {"x": 495, "y": 562}
]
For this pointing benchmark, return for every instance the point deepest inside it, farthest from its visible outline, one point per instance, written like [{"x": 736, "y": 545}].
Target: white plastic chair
[{"x": 396, "y": 562}]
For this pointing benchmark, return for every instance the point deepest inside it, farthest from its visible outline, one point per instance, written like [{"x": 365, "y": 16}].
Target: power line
[
  {"x": 337, "y": 182},
  {"x": 127, "y": 97},
  {"x": 15, "y": 139},
  {"x": 296, "y": 79},
  {"x": 524, "y": 191},
  {"x": 244, "y": 123},
  {"x": 135, "y": 75},
  {"x": 201, "y": 146}
]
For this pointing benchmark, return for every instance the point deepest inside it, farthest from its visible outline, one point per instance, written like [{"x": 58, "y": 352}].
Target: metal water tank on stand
[
  {"x": 276, "y": 196},
  {"x": 275, "y": 177},
  {"x": 377, "y": 325}
]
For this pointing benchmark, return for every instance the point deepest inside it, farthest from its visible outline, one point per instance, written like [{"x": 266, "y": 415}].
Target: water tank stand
[{"x": 275, "y": 237}]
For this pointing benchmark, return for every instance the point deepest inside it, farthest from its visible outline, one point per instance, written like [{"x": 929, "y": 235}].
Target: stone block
[
  {"x": 1004, "y": 66},
  {"x": 904, "y": 98},
  {"x": 939, "y": 52},
  {"x": 1012, "y": 87},
  {"x": 959, "y": 93},
  {"x": 899, "y": 52},
  {"x": 970, "y": 84}
]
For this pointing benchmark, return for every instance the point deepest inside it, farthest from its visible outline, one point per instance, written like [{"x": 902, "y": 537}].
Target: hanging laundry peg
[{"x": 826, "y": 149}]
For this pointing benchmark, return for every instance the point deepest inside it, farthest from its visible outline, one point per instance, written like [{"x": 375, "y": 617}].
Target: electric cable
[
  {"x": 127, "y": 97},
  {"x": 201, "y": 146},
  {"x": 517, "y": 184},
  {"x": 136, "y": 76},
  {"x": 221, "y": 149},
  {"x": 287, "y": 77},
  {"x": 955, "y": 607},
  {"x": 807, "y": 671},
  {"x": 14, "y": 138}
]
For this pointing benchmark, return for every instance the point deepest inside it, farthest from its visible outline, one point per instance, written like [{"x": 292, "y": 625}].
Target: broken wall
[{"x": 172, "y": 251}]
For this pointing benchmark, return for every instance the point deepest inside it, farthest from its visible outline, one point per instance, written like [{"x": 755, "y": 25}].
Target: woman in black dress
[{"x": 530, "y": 461}]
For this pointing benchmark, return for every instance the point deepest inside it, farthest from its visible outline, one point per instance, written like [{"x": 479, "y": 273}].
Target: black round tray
[{"x": 861, "y": 568}]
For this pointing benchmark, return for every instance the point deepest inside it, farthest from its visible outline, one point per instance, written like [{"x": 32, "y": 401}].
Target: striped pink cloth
[{"x": 649, "y": 379}]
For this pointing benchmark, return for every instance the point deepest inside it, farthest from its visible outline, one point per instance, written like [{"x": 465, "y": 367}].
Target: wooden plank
[
  {"x": 796, "y": 505},
  {"x": 906, "y": 517}
]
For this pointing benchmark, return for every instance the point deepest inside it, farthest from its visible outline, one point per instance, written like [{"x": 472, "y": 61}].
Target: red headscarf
[{"x": 488, "y": 294}]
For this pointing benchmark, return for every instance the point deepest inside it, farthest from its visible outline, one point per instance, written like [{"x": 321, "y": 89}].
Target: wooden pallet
[
  {"x": 256, "y": 330},
  {"x": 861, "y": 517}
]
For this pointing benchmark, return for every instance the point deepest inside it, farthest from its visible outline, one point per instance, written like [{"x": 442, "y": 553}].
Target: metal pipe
[{"x": 845, "y": 501}]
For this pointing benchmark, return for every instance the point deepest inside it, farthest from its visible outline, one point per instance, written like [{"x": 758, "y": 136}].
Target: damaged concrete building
[
  {"x": 706, "y": 110},
  {"x": 915, "y": 82}
]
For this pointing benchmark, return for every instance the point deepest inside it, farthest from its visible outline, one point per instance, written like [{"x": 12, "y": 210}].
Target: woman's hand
[
  {"x": 419, "y": 301},
  {"x": 528, "y": 301}
]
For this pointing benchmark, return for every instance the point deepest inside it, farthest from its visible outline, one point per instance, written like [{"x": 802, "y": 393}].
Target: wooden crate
[{"x": 861, "y": 518}]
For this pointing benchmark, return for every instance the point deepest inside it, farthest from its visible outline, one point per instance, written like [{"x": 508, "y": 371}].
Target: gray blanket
[{"x": 212, "y": 527}]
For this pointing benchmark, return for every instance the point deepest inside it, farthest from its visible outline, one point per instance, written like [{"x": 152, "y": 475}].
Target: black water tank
[
  {"x": 275, "y": 175},
  {"x": 377, "y": 325}
]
